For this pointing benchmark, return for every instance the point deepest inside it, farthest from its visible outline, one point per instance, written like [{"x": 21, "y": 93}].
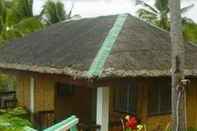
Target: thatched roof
[{"x": 70, "y": 48}]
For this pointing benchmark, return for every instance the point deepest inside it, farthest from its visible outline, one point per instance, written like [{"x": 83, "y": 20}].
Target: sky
[{"x": 93, "y": 8}]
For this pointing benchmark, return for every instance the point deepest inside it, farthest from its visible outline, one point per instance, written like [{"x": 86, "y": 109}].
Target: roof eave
[{"x": 107, "y": 73}]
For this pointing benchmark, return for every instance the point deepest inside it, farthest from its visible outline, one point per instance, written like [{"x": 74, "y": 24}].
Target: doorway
[{"x": 73, "y": 100}]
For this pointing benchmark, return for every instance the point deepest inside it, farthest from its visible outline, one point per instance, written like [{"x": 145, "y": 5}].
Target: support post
[
  {"x": 102, "y": 109},
  {"x": 32, "y": 97}
]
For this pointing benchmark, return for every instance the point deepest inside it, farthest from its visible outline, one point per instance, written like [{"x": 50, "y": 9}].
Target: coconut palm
[
  {"x": 157, "y": 14},
  {"x": 17, "y": 19},
  {"x": 54, "y": 12}
]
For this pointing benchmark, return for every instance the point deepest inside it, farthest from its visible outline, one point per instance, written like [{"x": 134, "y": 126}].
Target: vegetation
[
  {"x": 17, "y": 18},
  {"x": 190, "y": 31},
  {"x": 13, "y": 119},
  {"x": 158, "y": 15},
  {"x": 54, "y": 12},
  {"x": 7, "y": 83}
]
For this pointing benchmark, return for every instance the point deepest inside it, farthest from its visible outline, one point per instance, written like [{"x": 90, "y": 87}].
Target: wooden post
[
  {"x": 102, "y": 110},
  {"x": 178, "y": 90},
  {"x": 32, "y": 98}
]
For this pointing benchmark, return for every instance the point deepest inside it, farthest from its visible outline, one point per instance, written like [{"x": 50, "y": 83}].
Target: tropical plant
[
  {"x": 7, "y": 83},
  {"x": 158, "y": 14},
  {"x": 54, "y": 12},
  {"x": 17, "y": 19},
  {"x": 14, "y": 119},
  {"x": 190, "y": 31}
]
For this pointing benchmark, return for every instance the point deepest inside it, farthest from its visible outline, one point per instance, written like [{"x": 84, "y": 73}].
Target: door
[{"x": 73, "y": 100}]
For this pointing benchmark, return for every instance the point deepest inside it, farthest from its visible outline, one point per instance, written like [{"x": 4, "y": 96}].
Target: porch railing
[
  {"x": 44, "y": 119},
  {"x": 68, "y": 124}
]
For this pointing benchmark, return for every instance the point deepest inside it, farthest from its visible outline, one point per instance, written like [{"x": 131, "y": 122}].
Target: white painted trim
[
  {"x": 32, "y": 89},
  {"x": 102, "y": 113}
]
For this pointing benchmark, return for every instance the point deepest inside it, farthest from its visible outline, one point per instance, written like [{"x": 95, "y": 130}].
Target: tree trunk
[{"x": 178, "y": 90}]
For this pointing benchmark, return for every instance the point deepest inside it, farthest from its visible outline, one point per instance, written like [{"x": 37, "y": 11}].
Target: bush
[
  {"x": 7, "y": 82},
  {"x": 14, "y": 119}
]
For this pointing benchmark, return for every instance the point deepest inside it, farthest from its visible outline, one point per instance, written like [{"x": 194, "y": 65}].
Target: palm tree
[
  {"x": 17, "y": 19},
  {"x": 178, "y": 61},
  {"x": 54, "y": 12},
  {"x": 157, "y": 14}
]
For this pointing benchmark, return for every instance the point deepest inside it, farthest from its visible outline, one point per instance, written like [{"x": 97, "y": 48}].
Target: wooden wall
[
  {"x": 157, "y": 122},
  {"x": 44, "y": 92},
  {"x": 22, "y": 90},
  {"x": 45, "y": 100},
  {"x": 192, "y": 104}
]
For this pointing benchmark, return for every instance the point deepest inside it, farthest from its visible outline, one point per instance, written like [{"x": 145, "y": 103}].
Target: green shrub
[{"x": 14, "y": 119}]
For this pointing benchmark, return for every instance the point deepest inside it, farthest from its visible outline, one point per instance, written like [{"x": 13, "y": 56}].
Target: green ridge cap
[{"x": 96, "y": 67}]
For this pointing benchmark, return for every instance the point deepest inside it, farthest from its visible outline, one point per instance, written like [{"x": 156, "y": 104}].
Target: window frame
[
  {"x": 129, "y": 94},
  {"x": 166, "y": 84}
]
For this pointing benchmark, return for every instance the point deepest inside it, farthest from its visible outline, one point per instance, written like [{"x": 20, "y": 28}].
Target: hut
[{"x": 99, "y": 69}]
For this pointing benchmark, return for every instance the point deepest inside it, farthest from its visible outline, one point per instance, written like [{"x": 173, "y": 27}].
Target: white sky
[{"x": 92, "y": 8}]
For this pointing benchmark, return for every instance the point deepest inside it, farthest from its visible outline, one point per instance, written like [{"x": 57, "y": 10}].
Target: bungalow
[{"x": 99, "y": 69}]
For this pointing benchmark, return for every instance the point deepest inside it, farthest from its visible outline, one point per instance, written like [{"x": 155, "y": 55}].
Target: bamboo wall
[
  {"x": 22, "y": 90},
  {"x": 45, "y": 100},
  {"x": 44, "y": 92}
]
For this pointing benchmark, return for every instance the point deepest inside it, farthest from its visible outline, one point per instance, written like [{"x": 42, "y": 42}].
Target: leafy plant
[
  {"x": 14, "y": 119},
  {"x": 53, "y": 12},
  {"x": 7, "y": 82}
]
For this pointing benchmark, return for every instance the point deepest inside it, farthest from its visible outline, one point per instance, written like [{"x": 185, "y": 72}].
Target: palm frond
[
  {"x": 187, "y": 8},
  {"x": 146, "y": 5},
  {"x": 23, "y": 8},
  {"x": 28, "y": 25},
  {"x": 162, "y": 5},
  {"x": 69, "y": 15},
  {"x": 54, "y": 12},
  {"x": 190, "y": 31},
  {"x": 60, "y": 12},
  {"x": 147, "y": 15}
]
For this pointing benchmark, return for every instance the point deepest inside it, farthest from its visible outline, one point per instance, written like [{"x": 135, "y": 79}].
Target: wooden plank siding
[
  {"x": 151, "y": 122},
  {"x": 156, "y": 122},
  {"x": 44, "y": 92},
  {"x": 22, "y": 90},
  {"x": 45, "y": 100},
  {"x": 192, "y": 104}
]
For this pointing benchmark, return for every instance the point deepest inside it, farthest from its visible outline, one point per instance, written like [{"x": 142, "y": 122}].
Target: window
[
  {"x": 160, "y": 97},
  {"x": 125, "y": 99},
  {"x": 65, "y": 89}
]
